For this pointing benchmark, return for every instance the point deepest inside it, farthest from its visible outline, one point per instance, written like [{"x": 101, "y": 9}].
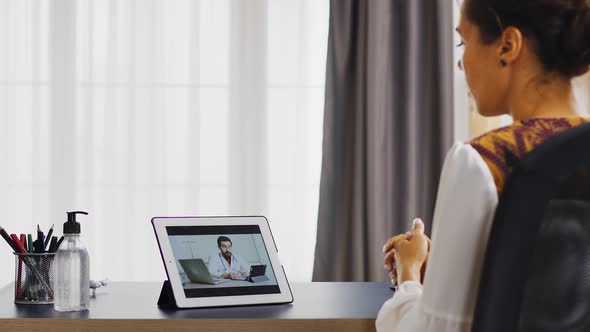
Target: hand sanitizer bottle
[{"x": 72, "y": 269}]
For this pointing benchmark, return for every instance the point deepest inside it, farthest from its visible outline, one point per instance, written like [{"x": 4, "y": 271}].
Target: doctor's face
[{"x": 225, "y": 248}]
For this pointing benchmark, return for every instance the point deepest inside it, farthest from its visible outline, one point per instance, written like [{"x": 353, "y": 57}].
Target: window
[{"x": 131, "y": 109}]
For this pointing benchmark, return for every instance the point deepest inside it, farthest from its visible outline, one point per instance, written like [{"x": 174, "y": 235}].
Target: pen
[
  {"x": 41, "y": 239},
  {"x": 53, "y": 245},
  {"x": 7, "y": 239},
  {"x": 58, "y": 243},
  {"x": 19, "y": 248},
  {"x": 30, "y": 243},
  {"x": 17, "y": 244},
  {"x": 38, "y": 247},
  {"x": 23, "y": 240},
  {"x": 48, "y": 238}
]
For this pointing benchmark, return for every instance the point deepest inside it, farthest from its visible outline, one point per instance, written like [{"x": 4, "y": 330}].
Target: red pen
[
  {"x": 20, "y": 248},
  {"x": 23, "y": 240},
  {"x": 17, "y": 243}
]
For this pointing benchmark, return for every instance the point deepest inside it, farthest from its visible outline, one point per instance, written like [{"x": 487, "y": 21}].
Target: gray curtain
[{"x": 387, "y": 127}]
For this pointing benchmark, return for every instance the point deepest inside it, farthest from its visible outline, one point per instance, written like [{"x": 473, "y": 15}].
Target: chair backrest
[{"x": 536, "y": 273}]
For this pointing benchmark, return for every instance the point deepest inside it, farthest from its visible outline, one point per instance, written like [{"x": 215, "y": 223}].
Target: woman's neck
[{"x": 549, "y": 99}]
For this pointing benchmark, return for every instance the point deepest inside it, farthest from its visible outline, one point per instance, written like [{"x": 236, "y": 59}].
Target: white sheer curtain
[{"x": 130, "y": 109}]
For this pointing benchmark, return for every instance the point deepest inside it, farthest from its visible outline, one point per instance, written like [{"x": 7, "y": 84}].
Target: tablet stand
[
  {"x": 256, "y": 279},
  {"x": 166, "y": 300}
]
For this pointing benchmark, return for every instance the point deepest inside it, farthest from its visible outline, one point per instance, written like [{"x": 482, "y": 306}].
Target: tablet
[{"x": 221, "y": 261}]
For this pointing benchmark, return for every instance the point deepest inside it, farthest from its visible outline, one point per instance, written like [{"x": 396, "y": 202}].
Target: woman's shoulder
[
  {"x": 463, "y": 162},
  {"x": 503, "y": 147},
  {"x": 529, "y": 131}
]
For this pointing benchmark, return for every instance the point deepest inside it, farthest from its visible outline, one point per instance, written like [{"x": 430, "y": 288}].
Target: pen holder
[{"x": 33, "y": 278}]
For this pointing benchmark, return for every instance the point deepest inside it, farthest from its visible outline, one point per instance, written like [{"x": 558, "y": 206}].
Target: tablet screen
[{"x": 222, "y": 260}]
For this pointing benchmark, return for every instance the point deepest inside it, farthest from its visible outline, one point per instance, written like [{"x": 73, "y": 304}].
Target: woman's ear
[{"x": 510, "y": 46}]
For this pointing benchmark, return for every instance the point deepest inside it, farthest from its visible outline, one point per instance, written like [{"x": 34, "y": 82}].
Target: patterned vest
[{"x": 502, "y": 148}]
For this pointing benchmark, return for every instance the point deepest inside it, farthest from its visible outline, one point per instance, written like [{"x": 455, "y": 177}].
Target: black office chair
[{"x": 536, "y": 274}]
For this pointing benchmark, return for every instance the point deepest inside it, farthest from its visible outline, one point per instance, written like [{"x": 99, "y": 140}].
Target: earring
[{"x": 502, "y": 61}]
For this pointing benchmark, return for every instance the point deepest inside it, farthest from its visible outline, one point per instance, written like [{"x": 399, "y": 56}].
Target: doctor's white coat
[{"x": 218, "y": 265}]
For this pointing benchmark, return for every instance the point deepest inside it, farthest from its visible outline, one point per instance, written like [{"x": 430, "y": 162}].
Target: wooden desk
[{"x": 129, "y": 306}]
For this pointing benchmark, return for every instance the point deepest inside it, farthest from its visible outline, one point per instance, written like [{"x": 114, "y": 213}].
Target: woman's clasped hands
[{"x": 406, "y": 255}]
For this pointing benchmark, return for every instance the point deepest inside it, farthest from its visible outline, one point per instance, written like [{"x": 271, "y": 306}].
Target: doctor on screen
[{"x": 225, "y": 264}]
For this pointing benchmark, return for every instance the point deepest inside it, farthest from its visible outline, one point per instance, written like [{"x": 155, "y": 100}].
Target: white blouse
[{"x": 463, "y": 215}]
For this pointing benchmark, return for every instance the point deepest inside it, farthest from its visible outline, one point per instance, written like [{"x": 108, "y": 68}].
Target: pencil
[{"x": 48, "y": 238}]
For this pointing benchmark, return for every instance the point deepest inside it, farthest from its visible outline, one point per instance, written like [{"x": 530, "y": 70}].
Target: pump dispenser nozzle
[{"x": 72, "y": 226}]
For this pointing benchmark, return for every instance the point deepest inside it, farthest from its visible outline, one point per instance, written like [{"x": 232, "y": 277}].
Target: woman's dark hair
[{"x": 558, "y": 30}]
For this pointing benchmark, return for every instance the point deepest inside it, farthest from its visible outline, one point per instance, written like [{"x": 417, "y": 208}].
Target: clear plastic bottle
[{"x": 72, "y": 270}]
